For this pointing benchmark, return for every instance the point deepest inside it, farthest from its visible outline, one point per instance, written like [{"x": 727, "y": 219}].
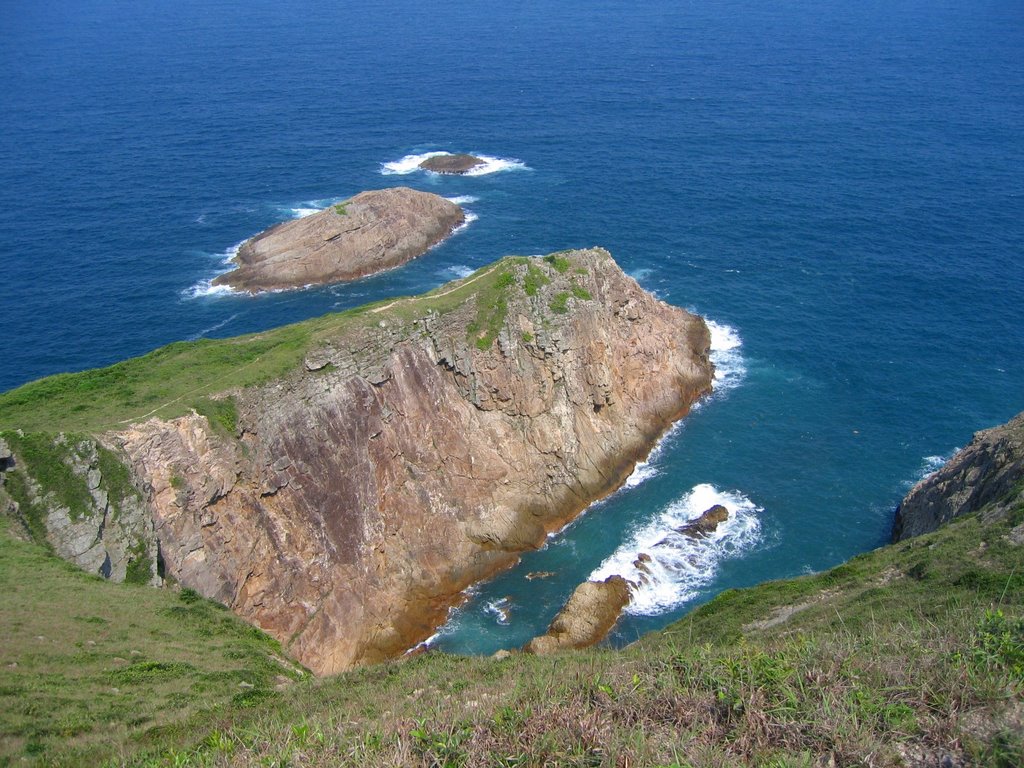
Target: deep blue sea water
[{"x": 838, "y": 186}]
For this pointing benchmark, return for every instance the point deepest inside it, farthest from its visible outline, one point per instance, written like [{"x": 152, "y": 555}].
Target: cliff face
[
  {"x": 369, "y": 233},
  {"x": 85, "y": 508},
  {"x": 419, "y": 453},
  {"x": 990, "y": 469}
]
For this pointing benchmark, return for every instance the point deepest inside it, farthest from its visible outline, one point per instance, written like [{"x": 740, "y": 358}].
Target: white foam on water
[
  {"x": 302, "y": 212},
  {"x": 641, "y": 472},
  {"x": 411, "y": 164},
  {"x": 408, "y": 164},
  {"x": 646, "y": 469},
  {"x": 470, "y": 218},
  {"x": 495, "y": 165},
  {"x": 212, "y": 328},
  {"x": 641, "y": 274},
  {"x": 929, "y": 465},
  {"x": 680, "y": 565},
  {"x": 500, "y": 609},
  {"x": 726, "y": 354},
  {"x": 463, "y": 199},
  {"x": 458, "y": 271},
  {"x": 205, "y": 287}
]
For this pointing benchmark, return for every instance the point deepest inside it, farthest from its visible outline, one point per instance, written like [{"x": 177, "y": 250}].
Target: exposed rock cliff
[
  {"x": 451, "y": 164},
  {"x": 990, "y": 469},
  {"x": 84, "y": 505},
  {"x": 369, "y": 233},
  {"x": 420, "y": 447},
  {"x": 586, "y": 619}
]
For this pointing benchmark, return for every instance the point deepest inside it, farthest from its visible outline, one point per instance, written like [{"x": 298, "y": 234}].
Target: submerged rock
[
  {"x": 369, "y": 233},
  {"x": 455, "y": 165},
  {"x": 988, "y": 470},
  {"x": 587, "y": 618}
]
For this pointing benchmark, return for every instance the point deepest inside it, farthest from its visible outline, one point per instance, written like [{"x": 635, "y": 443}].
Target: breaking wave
[
  {"x": 726, "y": 354},
  {"x": 676, "y": 565},
  {"x": 205, "y": 287}
]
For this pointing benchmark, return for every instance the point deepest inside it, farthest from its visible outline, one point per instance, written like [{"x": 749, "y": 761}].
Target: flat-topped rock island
[{"x": 371, "y": 232}]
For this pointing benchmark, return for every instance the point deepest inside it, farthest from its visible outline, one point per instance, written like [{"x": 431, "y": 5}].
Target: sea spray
[{"x": 680, "y": 564}]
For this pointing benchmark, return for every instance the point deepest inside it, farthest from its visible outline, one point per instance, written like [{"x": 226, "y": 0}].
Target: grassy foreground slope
[
  {"x": 92, "y": 671},
  {"x": 903, "y": 656}
]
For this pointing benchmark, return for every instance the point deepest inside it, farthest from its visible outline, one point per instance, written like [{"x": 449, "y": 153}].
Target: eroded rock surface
[
  {"x": 990, "y": 469},
  {"x": 587, "y": 618},
  {"x": 418, "y": 448},
  {"x": 451, "y": 164},
  {"x": 369, "y": 233}
]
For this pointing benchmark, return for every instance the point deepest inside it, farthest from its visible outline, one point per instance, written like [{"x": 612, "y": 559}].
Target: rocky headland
[
  {"x": 371, "y": 232},
  {"x": 452, "y": 165},
  {"x": 989, "y": 471},
  {"x": 415, "y": 448}
]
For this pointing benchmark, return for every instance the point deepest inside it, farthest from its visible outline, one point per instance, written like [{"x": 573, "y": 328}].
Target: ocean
[{"x": 838, "y": 187}]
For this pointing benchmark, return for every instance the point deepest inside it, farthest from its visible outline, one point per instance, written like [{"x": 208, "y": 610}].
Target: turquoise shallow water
[{"x": 840, "y": 187}]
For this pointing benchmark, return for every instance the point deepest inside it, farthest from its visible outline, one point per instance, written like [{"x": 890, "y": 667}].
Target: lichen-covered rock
[
  {"x": 587, "y": 618},
  {"x": 990, "y": 469},
  {"x": 371, "y": 232},
  {"x": 96, "y": 517},
  {"x": 455, "y": 165}
]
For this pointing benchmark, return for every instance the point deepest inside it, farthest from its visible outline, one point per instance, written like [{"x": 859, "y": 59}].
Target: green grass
[
  {"x": 50, "y": 459},
  {"x": 341, "y": 209},
  {"x": 91, "y": 670},
  {"x": 491, "y": 310},
  {"x": 560, "y": 303},
  {"x": 182, "y": 376},
  {"x": 872, "y": 660},
  {"x": 166, "y": 382},
  {"x": 534, "y": 280},
  {"x": 558, "y": 261},
  {"x": 580, "y": 292}
]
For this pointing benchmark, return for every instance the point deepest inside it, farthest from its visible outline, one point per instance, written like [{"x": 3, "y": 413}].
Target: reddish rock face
[
  {"x": 372, "y": 232},
  {"x": 409, "y": 458}
]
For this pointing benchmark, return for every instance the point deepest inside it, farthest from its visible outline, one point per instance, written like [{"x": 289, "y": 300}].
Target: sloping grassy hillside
[
  {"x": 902, "y": 656},
  {"x": 92, "y": 671}
]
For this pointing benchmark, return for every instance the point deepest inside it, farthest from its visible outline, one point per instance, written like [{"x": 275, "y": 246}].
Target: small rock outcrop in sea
[
  {"x": 587, "y": 618},
  {"x": 454, "y": 165},
  {"x": 368, "y": 233},
  {"x": 990, "y": 469},
  {"x": 412, "y": 449},
  {"x": 706, "y": 524}
]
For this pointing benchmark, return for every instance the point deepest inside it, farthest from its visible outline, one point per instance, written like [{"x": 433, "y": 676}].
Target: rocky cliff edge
[
  {"x": 420, "y": 447},
  {"x": 990, "y": 469}
]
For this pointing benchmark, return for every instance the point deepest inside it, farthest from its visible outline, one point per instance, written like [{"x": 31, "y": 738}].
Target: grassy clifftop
[
  {"x": 174, "y": 379},
  {"x": 900, "y": 657}
]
